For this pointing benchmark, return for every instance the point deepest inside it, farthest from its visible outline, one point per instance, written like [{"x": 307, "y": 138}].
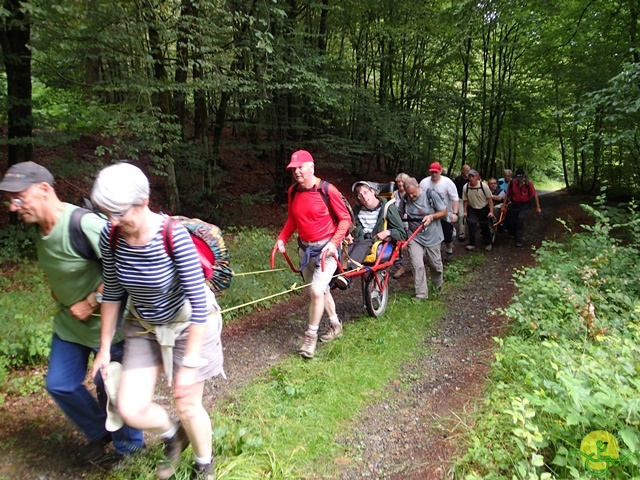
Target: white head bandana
[{"x": 119, "y": 186}]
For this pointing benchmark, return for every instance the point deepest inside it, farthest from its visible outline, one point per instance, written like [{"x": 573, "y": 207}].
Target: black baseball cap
[{"x": 22, "y": 175}]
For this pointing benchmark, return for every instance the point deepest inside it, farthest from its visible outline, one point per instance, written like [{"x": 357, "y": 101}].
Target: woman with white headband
[{"x": 174, "y": 321}]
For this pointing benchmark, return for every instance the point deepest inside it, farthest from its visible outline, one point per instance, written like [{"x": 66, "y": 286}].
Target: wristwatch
[{"x": 98, "y": 296}]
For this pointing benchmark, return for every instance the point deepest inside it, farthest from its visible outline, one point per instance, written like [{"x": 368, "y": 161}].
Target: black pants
[
  {"x": 515, "y": 219},
  {"x": 447, "y": 230},
  {"x": 477, "y": 216}
]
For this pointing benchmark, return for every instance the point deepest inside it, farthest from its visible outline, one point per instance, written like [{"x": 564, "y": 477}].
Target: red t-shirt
[
  {"x": 309, "y": 215},
  {"x": 521, "y": 193}
]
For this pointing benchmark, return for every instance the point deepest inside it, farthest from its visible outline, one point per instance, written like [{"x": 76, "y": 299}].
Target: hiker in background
[
  {"x": 497, "y": 195},
  {"x": 520, "y": 193},
  {"x": 460, "y": 181},
  {"x": 76, "y": 286},
  {"x": 400, "y": 196},
  {"x": 321, "y": 226},
  {"x": 504, "y": 182},
  {"x": 425, "y": 208},
  {"x": 447, "y": 189},
  {"x": 478, "y": 209},
  {"x": 376, "y": 219},
  {"x": 174, "y": 323}
]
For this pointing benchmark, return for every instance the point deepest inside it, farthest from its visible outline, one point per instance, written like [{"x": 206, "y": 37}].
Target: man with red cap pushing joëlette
[{"x": 319, "y": 234}]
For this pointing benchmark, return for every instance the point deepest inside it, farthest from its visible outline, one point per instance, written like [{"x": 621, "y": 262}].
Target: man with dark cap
[
  {"x": 520, "y": 192},
  {"x": 76, "y": 285},
  {"x": 478, "y": 209},
  {"x": 322, "y": 223}
]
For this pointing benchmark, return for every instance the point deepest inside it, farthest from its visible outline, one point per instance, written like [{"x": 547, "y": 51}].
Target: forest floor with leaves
[{"x": 414, "y": 433}]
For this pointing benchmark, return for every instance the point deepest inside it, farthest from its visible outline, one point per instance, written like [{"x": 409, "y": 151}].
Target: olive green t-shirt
[{"x": 71, "y": 277}]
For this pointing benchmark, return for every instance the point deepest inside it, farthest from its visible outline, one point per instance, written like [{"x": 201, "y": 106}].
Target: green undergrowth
[{"x": 571, "y": 365}]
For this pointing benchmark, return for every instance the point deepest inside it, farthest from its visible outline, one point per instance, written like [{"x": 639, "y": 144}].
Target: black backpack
[{"x": 77, "y": 236}]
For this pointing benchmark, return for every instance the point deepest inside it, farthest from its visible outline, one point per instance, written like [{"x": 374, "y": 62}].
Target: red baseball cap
[
  {"x": 435, "y": 167},
  {"x": 298, "y": 158}
]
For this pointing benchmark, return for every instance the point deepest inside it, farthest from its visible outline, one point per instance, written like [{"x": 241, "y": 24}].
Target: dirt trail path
[{"x": 412, "y": 434}]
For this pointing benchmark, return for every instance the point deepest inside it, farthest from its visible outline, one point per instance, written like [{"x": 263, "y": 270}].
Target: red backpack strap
[
  {"x": 114, "y": 236},
  {"x": 167, "y": 235}
]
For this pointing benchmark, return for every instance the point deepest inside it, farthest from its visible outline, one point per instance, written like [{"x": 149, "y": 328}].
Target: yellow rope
[
  {"x": 259, "y": 271},
  {"x": 293, "y": 288}
]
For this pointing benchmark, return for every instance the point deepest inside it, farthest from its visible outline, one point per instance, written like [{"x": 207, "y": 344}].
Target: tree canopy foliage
[{"x": 369, "y": 85}]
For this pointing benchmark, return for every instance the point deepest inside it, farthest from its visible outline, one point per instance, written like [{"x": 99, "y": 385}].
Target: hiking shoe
[
  {"x": 173, "y": 448},
  {"x": 437, "y": 290},
  {"x": 488, "y": 248},
  {"x": 342, "y": 282},
  {"x": 308, "y": 347},
  {"x": 94, "y": 451},
  {"x": 462, "y": 238},
  {"x": 471, "y": 248},
  {"x": 448, "y": 257},
  {"x": 519, "y": 245},
  {"x": 399, "y": 273},
  {"x": 205, "y": 471},
  {"x": 335, "y": 331},
  {"x": 418, "y": 298}
]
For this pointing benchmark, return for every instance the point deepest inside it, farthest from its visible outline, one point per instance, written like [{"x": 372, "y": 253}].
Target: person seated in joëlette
[{"x": 376, "y": 219}]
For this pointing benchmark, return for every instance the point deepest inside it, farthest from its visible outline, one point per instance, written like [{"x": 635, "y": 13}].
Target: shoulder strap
[
  {"x": 114, "y": 235},
  {"x": 323, "y": 188},
  {"x": 430, "y": 197},
  {"x": 167, "y": 235},
  {"x": 385, "y": 212},
  {"x": 78, "y": 238},
  {"x": 292, "y": 191}
]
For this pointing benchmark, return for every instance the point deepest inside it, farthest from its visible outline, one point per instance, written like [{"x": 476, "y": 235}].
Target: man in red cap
[
  {"x": 322, "y": 224},
  {"x": 448, "y": 191}
]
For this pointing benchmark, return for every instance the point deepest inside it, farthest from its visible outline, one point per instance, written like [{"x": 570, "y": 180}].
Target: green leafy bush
[
  {"x": 17, "y": 242},
  {"x": 571, "y": 365}
]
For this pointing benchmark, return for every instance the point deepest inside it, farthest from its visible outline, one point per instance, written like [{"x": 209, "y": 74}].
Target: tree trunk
[
  {"x": 14, "y": 38},
  {"x": 465, "y": 94},
  {"x": 162, "y": 100},
  {"x": 563, "y": 149},
  {"x": 322, "y": 29}
]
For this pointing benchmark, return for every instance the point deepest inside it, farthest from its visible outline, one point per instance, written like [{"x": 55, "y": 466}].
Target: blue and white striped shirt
[{"x": 156, "y": 284}]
